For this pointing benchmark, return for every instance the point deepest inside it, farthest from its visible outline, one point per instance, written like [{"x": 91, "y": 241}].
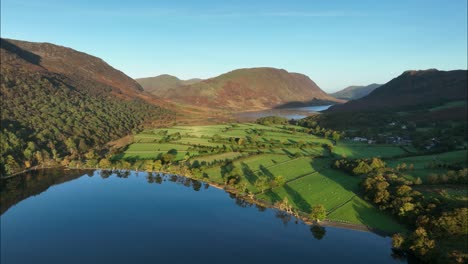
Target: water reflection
[
  {"x": 16, "y": 189},
  {"x": 318, "y": 231},
  {"x": 172, "y": 217}
]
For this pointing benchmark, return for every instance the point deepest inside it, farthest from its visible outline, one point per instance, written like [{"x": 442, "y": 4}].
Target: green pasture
[
  {"x": 309, "y": 178},
  {"x": 364, "y": 150}
]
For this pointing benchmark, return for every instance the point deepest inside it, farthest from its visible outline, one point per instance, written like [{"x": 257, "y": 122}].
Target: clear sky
[{"x": 335, "y": 43}]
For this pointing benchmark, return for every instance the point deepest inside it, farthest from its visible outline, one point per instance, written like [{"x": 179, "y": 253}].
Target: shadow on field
[
  {"x": 266, "y": 172},
  {"x": 297, "y": 199},
  {"x": 289, "y": 153},
  {"x": 248, "y": 173},
  {"x": 274, "y": 197},
  {"x": 378, "y": 222}
]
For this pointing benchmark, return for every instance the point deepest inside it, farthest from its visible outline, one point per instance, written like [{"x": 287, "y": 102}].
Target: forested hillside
[{"x": 53, "y": 115}]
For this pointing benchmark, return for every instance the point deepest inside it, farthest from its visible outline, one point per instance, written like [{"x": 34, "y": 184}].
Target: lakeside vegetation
[{"x": 296, "y": 169}]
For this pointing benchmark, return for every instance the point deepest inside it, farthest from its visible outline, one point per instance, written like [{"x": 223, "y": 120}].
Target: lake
[
  {"x": 289, "y": 113},
  {"x": 75, "y": 216}
]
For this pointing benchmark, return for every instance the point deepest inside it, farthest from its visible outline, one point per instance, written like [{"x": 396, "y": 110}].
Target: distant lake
[
  {"x": 136, "y": 217},
  {"x": 289, "y": 113}
]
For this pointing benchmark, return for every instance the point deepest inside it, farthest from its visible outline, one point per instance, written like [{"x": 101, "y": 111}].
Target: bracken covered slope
[
  {"x": 250, "y": 89},
  {"x": 159, "y": 85}
]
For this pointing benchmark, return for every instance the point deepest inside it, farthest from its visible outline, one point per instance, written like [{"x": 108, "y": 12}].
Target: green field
[
  {"x": 258, "y": 151},
  {"x": 364, "y": 150},
  {"x": 426, "y": 165}
]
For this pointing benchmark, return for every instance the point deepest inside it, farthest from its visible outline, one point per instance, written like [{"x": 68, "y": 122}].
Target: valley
[{"x": 392, "y": 160}]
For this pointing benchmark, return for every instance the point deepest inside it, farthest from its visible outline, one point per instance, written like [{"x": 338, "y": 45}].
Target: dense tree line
[
  {"x": 272, "y": 120},
  {"x": 45, "y": 119},
  {"x": 439, "y": 228}
]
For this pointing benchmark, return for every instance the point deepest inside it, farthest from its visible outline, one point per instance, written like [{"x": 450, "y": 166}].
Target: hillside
[
  {"x": 250, "y": 89},
  {"x": 355, "y": 92},
  {"x": 160, "y": 84},
  {"x": 58, "y": 103},
  {"x": 412, "y": 90}
]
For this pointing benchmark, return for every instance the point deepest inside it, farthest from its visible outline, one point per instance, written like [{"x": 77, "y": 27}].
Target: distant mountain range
[
  {"x": 160, "y": 84},
  {"x": 242, "y": 89},
  {"x": 355, "y": 92},
  {"x": 412, "y": 90}
]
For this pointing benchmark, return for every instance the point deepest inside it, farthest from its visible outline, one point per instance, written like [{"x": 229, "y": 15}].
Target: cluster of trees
[
  {"x": 272, "y": 120},
  {"x": 433, "y": 222},
  {"x": 44, "y": 119},
  {"x": 359, "y": 167},
  {"x": 314, "y": 128},
  {"x": 264, "y": 183},
  {"x": 450, "y": 177},
  {"x": 170, "y": 137}
]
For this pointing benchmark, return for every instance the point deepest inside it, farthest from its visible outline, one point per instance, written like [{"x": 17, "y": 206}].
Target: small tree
[
  {"x": 262, "y": 183},
  {"x": 418, "y": 181},
  {"x": 279, "y": 181},
  {"x": 397, "y": 241},
  {"x": 318, "y": 212}
]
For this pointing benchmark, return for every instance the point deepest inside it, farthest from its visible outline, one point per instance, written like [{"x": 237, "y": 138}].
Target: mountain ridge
[
  {"x": 158, "y": 85},
  {"x": 412, "y": 89},
  {"x": 354, "y": 92},
  {"x": 248, "y": 89}
]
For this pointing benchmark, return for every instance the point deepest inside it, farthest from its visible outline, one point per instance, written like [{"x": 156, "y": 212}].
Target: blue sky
[{"x": 335, "y": 43}]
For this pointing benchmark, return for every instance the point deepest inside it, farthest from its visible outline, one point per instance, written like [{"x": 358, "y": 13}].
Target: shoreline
[{"x": 299, "y": 215}]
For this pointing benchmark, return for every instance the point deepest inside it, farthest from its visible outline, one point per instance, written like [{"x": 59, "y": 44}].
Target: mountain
[
  {"x": 159, "y": 85},
  {"x": 250, "y": 89},
  {"x": 355, "y": 92},
  {"x": 59, "y": 104},
  {"x": 412, "y": 90}
]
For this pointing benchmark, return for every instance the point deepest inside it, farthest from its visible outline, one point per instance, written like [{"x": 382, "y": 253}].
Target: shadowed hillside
[
  {"x": 355, "y": 92},
  {"x": 412, "y": 90}
]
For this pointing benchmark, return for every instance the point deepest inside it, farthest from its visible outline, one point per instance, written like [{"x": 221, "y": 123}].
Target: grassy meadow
[{"x": 271, "y": 151}]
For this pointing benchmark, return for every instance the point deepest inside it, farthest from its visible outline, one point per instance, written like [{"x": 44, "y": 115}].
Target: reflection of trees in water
[
  {"x": 283, "y": 216},
  {"x": 260, "y": 208},
  {"x": 15, "y": 189},
  {"x": 159, "y": 178},
  {"x": 318, "y": 231},
  {"x": 105, "y": 173},
  {"x": 243, "y": 203},
  {"x": 122, "y": 173},
  {"x": 401, "y": 256}
]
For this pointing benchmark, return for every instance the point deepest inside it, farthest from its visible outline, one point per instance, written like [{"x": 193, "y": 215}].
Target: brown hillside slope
[
  {"x": 76, "y": 66},
  {"x": 159, "y": 85},
  {"x": 250, "y": 89}
]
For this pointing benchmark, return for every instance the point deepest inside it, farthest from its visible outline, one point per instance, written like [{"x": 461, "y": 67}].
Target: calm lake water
[
  {"x": 289, "y": 113},
  {"x": 99, "y": 217}
]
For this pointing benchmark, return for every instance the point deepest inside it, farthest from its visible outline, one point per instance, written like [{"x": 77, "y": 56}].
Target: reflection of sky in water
[
  {"x": 317, "y": 108},
  {"x": 129, "y": 217},
  {"x": 290, "y": 113}
]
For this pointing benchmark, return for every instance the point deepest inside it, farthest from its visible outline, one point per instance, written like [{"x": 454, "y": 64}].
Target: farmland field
[
  {"x": 261, "y": 151},
  {"x": 425, "y": 165}
]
